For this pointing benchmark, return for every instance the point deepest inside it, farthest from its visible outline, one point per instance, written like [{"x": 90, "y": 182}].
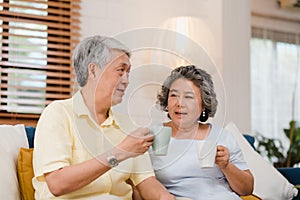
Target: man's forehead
[{"x": 119, "y": 59}]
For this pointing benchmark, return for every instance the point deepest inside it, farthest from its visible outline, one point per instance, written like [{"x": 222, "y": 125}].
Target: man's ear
[{"x": 92, "y": 69}]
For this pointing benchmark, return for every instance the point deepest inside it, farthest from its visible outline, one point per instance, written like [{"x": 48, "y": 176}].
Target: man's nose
[{"x": 125, "y": 78}]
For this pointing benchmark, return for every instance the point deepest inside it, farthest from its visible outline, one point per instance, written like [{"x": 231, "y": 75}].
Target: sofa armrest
[
  {"x": 250, "y": 139},
  {"x": 291, "y": 174}
]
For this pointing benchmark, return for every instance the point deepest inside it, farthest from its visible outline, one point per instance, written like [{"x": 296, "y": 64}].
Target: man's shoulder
[
  {"x": 58, "y": 106},
  {"x": 125, "y": 122},
  {"x": 61, "y": 103}
]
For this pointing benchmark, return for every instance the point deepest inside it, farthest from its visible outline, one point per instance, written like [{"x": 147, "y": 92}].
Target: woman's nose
[{"x": 179, "y": 102}]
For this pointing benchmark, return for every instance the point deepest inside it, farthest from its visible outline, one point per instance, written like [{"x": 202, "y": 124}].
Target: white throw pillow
[
  {"x": 11, "y": 139},
  {"x": 269, "y": 184}
]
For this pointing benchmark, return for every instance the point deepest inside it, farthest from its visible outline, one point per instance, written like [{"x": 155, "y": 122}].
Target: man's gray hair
[{"x": 95, "y": 49}]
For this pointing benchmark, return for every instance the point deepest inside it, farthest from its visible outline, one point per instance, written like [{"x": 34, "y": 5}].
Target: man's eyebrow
[{"x": 123, "y": 64}]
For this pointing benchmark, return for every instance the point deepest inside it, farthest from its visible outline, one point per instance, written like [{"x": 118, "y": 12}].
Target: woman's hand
[
  {"x": 240, "y": 181},
  {"x": 222, "y": 157}
]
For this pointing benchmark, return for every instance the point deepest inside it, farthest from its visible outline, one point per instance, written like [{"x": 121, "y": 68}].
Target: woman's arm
[
  {"x": 136, "y": 195},
  {"x": 240, "y": 181},
  {"x": 151, "y": 188}
]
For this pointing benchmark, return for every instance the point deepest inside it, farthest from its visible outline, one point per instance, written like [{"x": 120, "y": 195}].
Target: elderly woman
[
  {"x": 189, "y": 98},
  {"x": 83, "y": 150}
]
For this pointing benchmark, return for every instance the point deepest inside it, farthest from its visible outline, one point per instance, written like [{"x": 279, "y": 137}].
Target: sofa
[
  {"x": 291, "y": 174},
  {"x": 23, "y": 139},
  {"x": 269, "y": 182}
]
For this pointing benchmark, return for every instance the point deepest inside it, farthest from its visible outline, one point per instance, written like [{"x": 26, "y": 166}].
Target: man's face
[{"x": 114, "y": 79}]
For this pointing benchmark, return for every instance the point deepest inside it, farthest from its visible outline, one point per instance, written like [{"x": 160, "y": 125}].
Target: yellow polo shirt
[{"x": 66, "y": 135}]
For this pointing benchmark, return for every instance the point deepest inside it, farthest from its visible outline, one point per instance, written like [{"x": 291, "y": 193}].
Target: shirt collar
[
  {"x": 110, "y": 120},
  {"x": 81, "y": 109},
  {"x": 79, "y": 106}
]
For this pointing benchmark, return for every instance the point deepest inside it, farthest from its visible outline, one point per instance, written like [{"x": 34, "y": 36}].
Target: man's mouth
[{"x": 121, "y": 91}]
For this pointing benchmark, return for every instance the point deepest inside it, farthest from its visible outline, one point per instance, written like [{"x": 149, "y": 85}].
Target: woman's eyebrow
[
  {"x": 186, "y": 92},
  {"x": 189, "y": 93},
  {"x": 173, "y": 90}
]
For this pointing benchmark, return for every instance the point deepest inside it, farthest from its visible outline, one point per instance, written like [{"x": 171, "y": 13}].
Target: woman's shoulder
[
  {"x": 221, "y": 134},
  {"x": 219, "y": 129}
]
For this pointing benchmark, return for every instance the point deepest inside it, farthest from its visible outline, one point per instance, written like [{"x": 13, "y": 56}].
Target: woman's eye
[
  {"x": 189, "y": 97},
  {"x": 172, "y": 95}
]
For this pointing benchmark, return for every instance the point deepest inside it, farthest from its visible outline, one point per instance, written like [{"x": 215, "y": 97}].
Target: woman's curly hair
[{"x": 200, "y": 78}]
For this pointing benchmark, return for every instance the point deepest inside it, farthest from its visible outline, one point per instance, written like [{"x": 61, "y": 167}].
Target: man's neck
[
  {"x": 100, "y": 117},
  {"x": 97, "y": 113}
]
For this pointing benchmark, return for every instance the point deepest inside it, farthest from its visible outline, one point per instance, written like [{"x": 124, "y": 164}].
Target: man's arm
[
  {"x": 151, "y": 188},
  {"x": 70, "y": 178}
]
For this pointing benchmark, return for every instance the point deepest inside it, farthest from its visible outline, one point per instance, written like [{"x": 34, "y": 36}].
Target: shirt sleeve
[
  {"x": 142, "y": 169},
  {"x": 236, "y": 154},
  {"x": 53, "y": 144}
]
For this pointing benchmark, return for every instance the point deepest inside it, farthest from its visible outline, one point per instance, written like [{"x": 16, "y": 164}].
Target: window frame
[{"x": 63, "y": 33}]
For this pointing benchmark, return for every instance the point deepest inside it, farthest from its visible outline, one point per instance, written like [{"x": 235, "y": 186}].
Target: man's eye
[{"x": 189, "y": 97}]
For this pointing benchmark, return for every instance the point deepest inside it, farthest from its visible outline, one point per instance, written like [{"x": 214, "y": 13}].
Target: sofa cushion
[
  {"x": 268, "y": 182},
  {"x": 12, "y": 139},
  {"x": 25, "y": 173},
  {"x": 250, "y": 197},
  {"x": 30, "y": 131}
]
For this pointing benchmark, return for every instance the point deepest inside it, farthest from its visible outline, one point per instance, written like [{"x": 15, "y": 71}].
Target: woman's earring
[
  {"x": 166, "y": 110},
  {"x": 204, "y": 116},
  {"x": 169, "y": 116}
]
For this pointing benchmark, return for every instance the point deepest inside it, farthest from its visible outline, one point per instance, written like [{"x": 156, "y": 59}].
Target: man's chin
[{"x": 116, "y": 101}]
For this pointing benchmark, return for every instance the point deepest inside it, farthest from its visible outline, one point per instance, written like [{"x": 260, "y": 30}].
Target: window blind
[
  {"x": 278, "y": 36},
  {"x": 37, "y": 38}
]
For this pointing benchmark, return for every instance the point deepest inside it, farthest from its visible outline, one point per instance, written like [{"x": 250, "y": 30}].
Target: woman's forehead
[{"x": 182, "y": 84}]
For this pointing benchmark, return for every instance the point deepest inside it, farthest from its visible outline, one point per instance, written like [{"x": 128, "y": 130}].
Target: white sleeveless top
[{"x": 180, "y": 173}]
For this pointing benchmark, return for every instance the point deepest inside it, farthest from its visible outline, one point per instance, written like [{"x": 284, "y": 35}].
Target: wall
[
  {"x": 268, "y": 14},
  {"x": 235, "y": 57},
  {"x": 221, "y": 29}
]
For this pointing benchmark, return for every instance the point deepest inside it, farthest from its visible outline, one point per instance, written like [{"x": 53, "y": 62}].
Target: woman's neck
[{"x": 195, "y": 131}]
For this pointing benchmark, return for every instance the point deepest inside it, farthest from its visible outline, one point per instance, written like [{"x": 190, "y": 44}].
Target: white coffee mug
[
  {"x": 162, "y": 135},
  {"x": 206, "y": 151}
]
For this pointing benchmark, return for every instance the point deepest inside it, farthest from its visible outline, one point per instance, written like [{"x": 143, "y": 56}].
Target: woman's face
[{"x": 184, "y": 103}]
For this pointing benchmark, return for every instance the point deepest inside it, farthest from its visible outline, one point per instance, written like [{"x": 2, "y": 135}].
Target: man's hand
[{"x": 136, "y": 143}]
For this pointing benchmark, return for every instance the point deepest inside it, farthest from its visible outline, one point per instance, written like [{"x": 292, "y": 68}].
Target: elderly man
[{"x": 79, "y": 142}]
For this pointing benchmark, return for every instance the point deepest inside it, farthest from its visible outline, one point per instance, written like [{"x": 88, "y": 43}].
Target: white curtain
[{"x": 275, "y": 82}]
